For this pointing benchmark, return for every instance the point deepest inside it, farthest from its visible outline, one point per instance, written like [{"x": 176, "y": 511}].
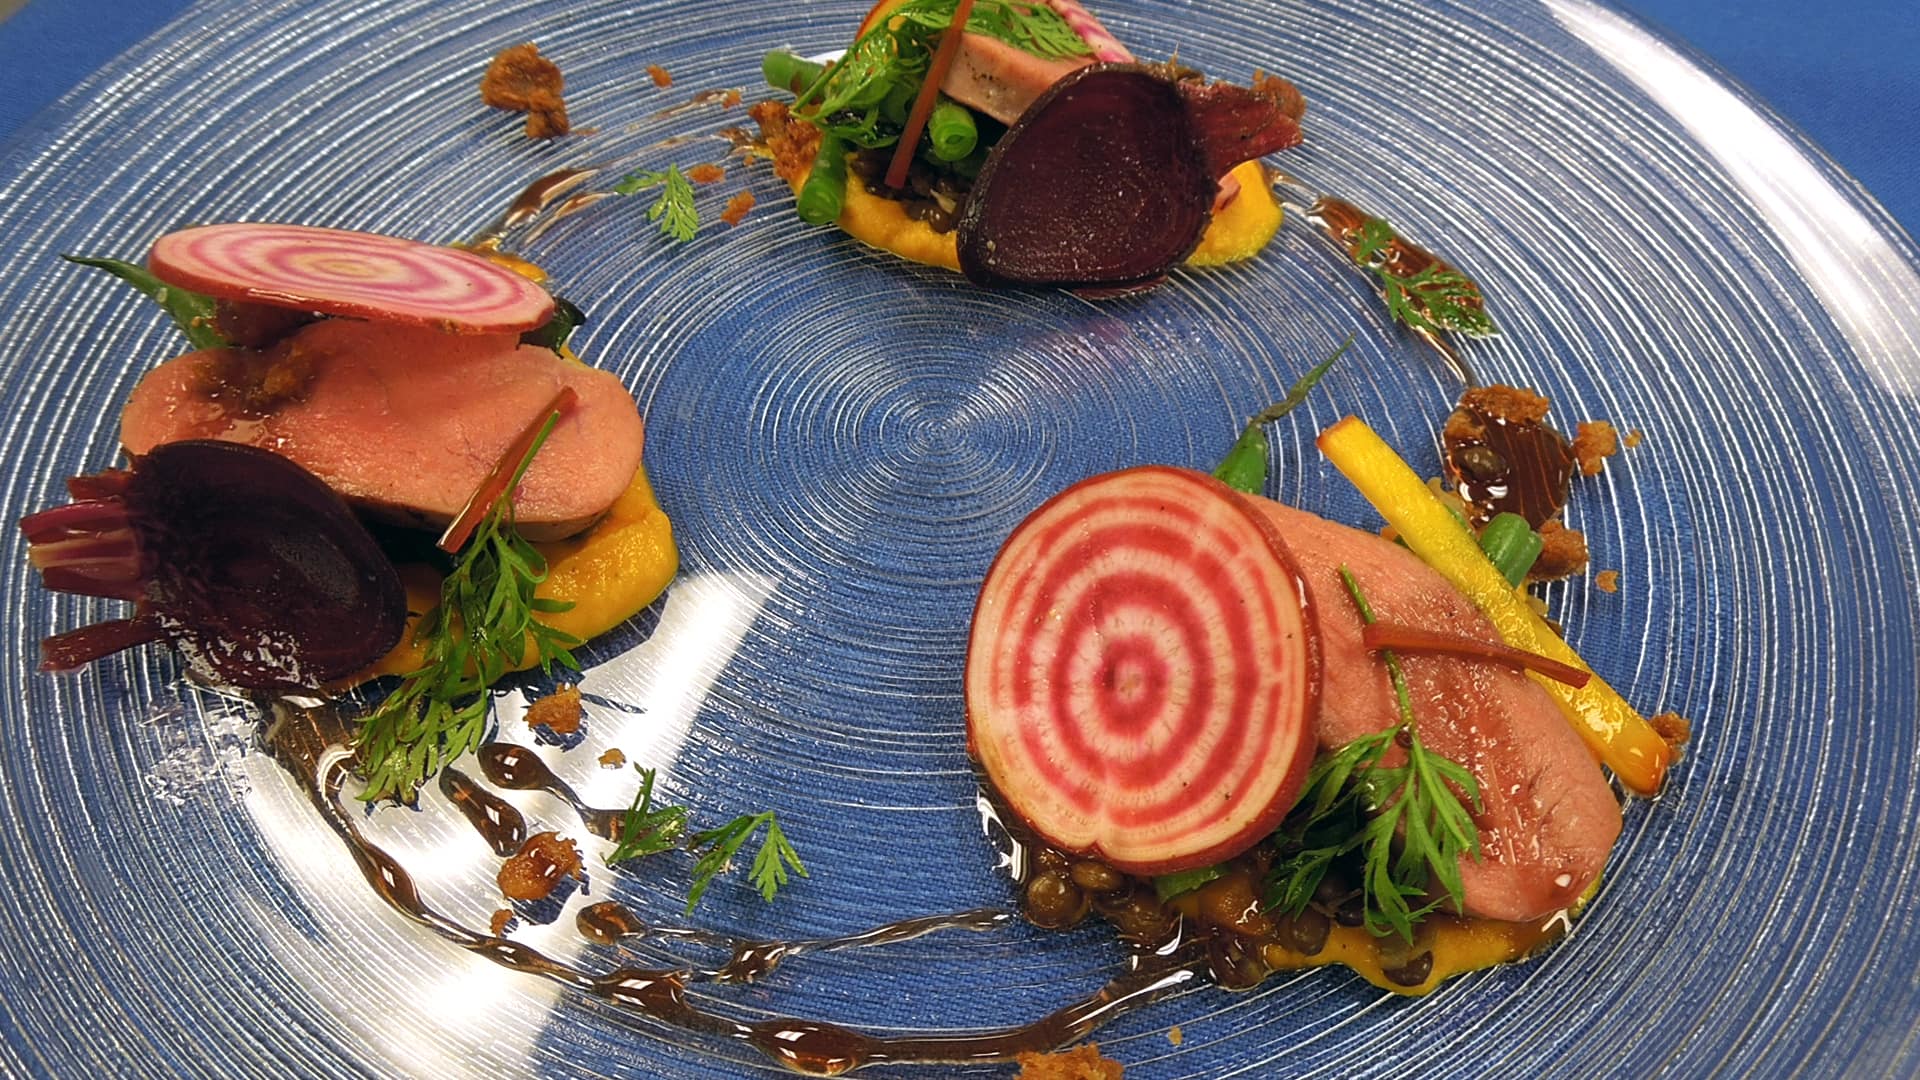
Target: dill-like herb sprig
[
  {"x": 679, "y": 218},
  {"x": 647, "y": 830},
  {"x": 1352, "y": 803},
  {"x": 1435, "y": 298},
  {"x": 480, "y": 630}
]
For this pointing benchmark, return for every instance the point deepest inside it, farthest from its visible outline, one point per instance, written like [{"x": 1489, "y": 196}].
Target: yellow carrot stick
[{"x": 1619, "y": 736}]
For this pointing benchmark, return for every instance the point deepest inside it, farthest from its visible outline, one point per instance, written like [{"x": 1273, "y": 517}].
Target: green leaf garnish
[
  {"x": 1245, "y": 466},
  {"x": 770, "y": 864},
  {"x": 890, "y": 61},
  {"x": 647, "y": 830},
  {"x": 1168, "y": 886},
  {"x": 1436, "y": 298},
  {"x": 190, "y": 311},
  {"x": 478, "y": 631},
  {"x": 674, "y": 209},
  {"x": 1352, "y": 804}
]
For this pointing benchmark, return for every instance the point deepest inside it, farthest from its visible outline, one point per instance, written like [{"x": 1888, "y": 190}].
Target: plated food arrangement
[{"x": 1248, "y": 890}]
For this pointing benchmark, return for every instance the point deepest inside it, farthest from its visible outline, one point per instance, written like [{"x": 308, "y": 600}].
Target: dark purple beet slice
[
  {"x": 1097, "y": 184},
  {"x": 1107, "y": 181},
  {"x": 1231, "y": 124},
  {"x": 248, "y": 563}
]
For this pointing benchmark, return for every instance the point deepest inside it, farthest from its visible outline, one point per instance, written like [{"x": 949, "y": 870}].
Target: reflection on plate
[{"x": 844, "y": 442}]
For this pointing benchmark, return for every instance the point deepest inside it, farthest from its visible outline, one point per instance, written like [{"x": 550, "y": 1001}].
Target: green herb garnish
[
  {"x": 190, "y": 311},
  {"x": 674, "y": 209},
  {"x": 1180, "y": 882},
  {"x": 1436, "y": 298},
  {"x": 1245, "y": 466},
  {"x": 1354, "y": 804},
  {"x": 770, "y": 863},
  {"x": 646, "y": 830},
  {"x": 850, "y": 99},
  {"x": 478, "y": 631}
]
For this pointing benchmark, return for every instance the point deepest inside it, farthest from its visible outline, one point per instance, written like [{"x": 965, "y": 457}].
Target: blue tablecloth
[{"x": 1844, "y": 71}]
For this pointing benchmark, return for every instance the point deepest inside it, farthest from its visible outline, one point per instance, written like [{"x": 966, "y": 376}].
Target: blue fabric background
[{"x": 1844, "y": 71}]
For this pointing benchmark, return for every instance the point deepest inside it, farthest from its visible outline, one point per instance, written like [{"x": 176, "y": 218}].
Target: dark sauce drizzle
[
  {"x": 511, "y": 765},
  {"x": 308, "y": 739},
  {"x": 494, "y": 818},
  {"x": 610, "y": 922}
]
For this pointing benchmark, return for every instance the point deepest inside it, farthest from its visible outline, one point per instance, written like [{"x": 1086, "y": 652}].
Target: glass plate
[{"x": 843, "y": 441}]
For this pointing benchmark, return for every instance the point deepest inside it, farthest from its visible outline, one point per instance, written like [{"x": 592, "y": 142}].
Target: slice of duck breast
[
  {"x": 1548, "y": 818},
  {"x": 1001, "y": 80},
  {"x": 403, "y": 421}
]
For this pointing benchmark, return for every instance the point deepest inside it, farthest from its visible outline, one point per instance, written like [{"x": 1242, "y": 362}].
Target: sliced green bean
[
  {"x": 952, "y": 131},
  {"x": 1511, "y": 545},
  {"x": 785, "y": 71},
  {"x": 825, "y": 192}
]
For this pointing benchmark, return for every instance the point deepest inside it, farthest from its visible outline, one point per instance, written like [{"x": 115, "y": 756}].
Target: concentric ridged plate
[{"x": 843, "y": 442}]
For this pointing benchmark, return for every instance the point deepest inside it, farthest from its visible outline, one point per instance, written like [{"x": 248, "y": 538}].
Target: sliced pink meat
[
  {"x": 1001, "y": 80},
  {"x": 1548, "y": 818},
  {"x": 1106, "y": 48},
  {"x": 405, "y": 421}
]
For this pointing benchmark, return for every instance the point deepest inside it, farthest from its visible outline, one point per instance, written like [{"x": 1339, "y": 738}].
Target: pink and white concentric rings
[
  {"x": 359, "y": 275},
  {"x": 1143, "y": 672}
]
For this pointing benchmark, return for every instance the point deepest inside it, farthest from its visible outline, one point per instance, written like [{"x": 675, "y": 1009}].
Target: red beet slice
[
  {"x": 1108, "y": 180},
  {"x": 356, "y": 274},
  {"x": 1143, "y": 672},
  {"x": 246, "y": 561}
]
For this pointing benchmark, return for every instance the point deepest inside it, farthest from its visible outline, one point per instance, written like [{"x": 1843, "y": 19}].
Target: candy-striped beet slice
[
  {"x": 1143, "y": 672},
  {"x": 361, "y": 275}
]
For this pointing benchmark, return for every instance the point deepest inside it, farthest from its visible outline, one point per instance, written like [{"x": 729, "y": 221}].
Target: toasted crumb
[
  {"x": 614, "y": 758},
  {"x": 737, "y": 208},
  {"x": 1175, "y": 1036},
  {"x": 521, "y": 80},
  {"x": 732, "y": 99},
  {"x": 1593, "y": 442},
  {"x": 501, "y": 919},
  {"x": 1083, "y": 1062},
  {"x": 706, "y": 173},
  {"x": 792, "y": 145},
  {"x": 1635, "y": 438},
  {"x": 1563, "y": 554},
  {"x": 1607, "y": 581},
  {"x": 1509, "y": 403},
  {"x": 1673, "y": 728},
  {"x": 560, "y": 711},
  {"x": 543, "y": 860},
  {"x": 659, "y": 75}
]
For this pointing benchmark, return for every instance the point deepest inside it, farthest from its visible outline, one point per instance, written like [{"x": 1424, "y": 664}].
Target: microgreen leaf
[
  {"x": 674, "y": 209},
  {"x": 190, "y": 311},
  {"x": 770, "y": 864}
]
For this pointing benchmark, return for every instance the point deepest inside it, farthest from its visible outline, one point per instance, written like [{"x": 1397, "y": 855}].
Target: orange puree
[{"x": 609, "y": 573}]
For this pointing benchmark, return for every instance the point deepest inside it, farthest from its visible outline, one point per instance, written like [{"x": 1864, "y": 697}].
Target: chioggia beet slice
[
  {"x": 248, "y": 563},
  {"x": 361, "y": 275},
  {"x": 1142, "y": 672}
]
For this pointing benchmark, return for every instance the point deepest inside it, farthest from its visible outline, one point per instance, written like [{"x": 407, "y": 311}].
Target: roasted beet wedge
[
  {"x": 252, "y": 567},
  {"x": 1108, "y": 181}
]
